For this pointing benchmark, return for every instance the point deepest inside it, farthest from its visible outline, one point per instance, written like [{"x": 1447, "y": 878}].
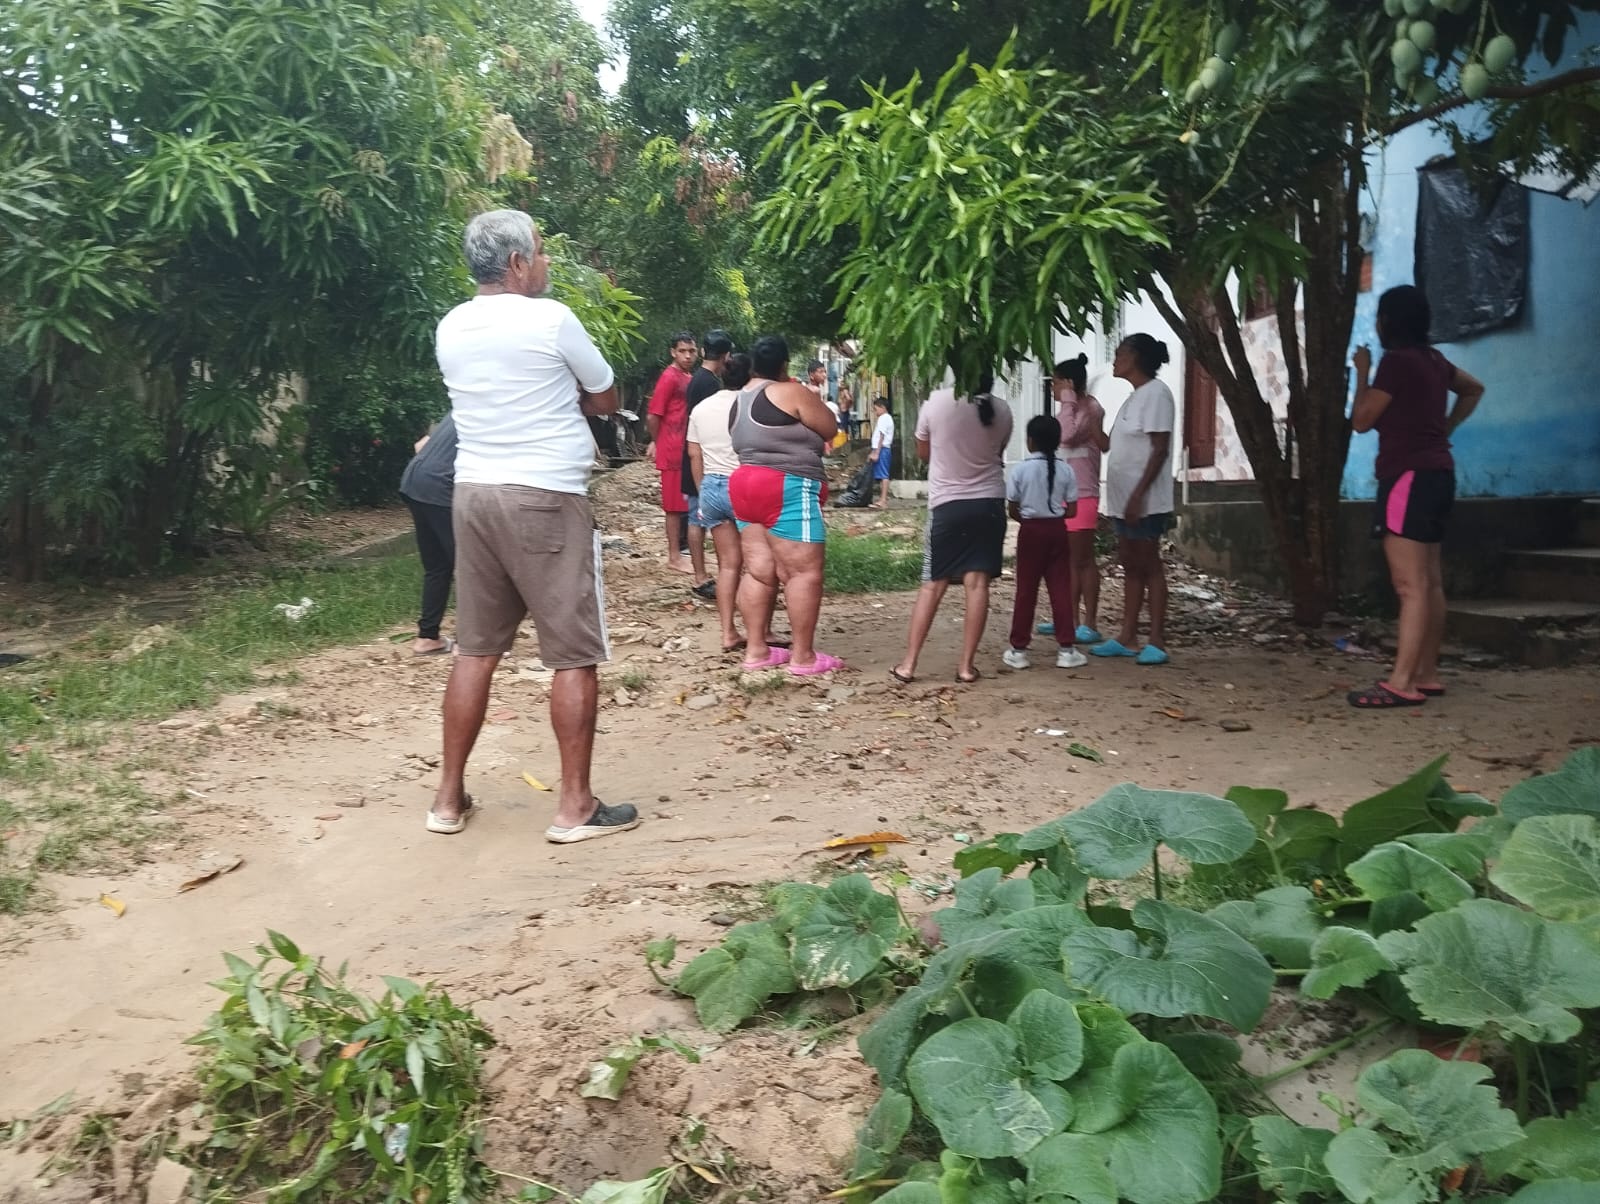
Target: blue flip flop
[
  {"x": 1111, "y": 648},
  {"x": 1151, "y": 655},
  {"x": 1087, "y": 635},
  {"x": 1045, "y": 629}
]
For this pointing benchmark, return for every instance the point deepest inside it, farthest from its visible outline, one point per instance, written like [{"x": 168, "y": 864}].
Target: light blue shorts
[{"x": 715, "y": 508}]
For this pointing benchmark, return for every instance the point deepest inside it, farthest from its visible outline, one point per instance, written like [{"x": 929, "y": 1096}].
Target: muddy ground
[{"x": 739, "y": 784}]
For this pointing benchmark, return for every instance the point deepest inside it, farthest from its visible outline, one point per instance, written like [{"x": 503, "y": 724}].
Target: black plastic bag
[{"x": 1472, "y": 252}]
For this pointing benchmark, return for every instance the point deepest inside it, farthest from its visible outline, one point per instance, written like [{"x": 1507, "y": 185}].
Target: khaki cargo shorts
[{"x": 529, "y": 552}]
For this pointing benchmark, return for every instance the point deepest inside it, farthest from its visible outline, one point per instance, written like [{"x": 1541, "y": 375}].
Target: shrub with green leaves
[
  {"x": 1066, "y": 1040},
  {"x": 317, "y": 1092}
]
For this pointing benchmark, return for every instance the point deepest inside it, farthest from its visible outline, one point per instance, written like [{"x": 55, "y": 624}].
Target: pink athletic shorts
[{"x": 1088, "y": 516}]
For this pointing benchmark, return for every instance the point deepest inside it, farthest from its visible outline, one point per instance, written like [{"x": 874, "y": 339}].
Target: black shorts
[
  {"x": 964, "y": 537},
  {"x": 1415, "y": 505}
]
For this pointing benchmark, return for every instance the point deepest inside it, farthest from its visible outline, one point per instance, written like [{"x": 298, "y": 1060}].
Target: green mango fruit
[
  {"x": 1407, "y": 58},
  {"x": 1474, "y": 81},
  {"x": 1194, "y": 93},
  {"x": 1497, "y": 55},
  {"x": 1228, "y": 38},
  {"x": 1422, "y": 35}
]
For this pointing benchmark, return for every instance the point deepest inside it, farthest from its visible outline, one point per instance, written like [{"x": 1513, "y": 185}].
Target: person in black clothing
[
  {"x": 707, "y": 379},
  {"x": 428, "y": 485}
]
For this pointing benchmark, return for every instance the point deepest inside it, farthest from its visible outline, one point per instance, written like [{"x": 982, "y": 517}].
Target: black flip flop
[
  {"x": 1431, "y": 691},
  {"x": 901, "y": 677},
  {"x": 967, "y": 681},
  {"x": 1380, "y": 697}
]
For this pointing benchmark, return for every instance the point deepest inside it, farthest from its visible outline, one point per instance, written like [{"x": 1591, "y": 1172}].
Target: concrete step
[
  {"x": 1562, "y": 574},
  {"x": 1589, "y": 522},
  {"x": 1542, "y": 634}
]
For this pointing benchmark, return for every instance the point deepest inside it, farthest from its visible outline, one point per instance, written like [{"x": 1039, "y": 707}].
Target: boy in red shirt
[{"x": 668, "y": 421}]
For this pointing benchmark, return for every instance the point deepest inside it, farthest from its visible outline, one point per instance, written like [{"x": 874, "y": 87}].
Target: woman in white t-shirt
[{"x": 1139, "y": 495}]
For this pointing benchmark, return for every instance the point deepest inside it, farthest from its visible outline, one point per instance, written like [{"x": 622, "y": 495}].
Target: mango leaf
[
  {"x": 730, "y": 981},
  {"x": 1070, "y": 1166},
  {"x": 845, "y": 934},
  {"x": 1464, "y": 853},
  {"x": 1558, "y": 1191},
  {"x": 1116, "y": 835},
  {"x": 1452, "y": 806},
  {"x": 982, "y": 901},
  {"x": 1393, "y": 813},
  {"x": 887, "y": 1043},
  {"x": 1552, "y": 863},
  {"x": 1490, "y": 963},
  {"x": 880, "y": 1136},
  {"x": 1197, "y": 966},
  {"x": 1282, "y": 922},
  {"x": 1163, "y": 1146},
  {"x": 1424, "y": 1116},
  {"x": 970, "y": 1081},
  {"x": 1393, "y": 868},
  {"x": 1289, "y": 1157},
  {"x": 1343, "y": 957},
  {"x": 1566, "y": 1147},
  {"x": 1574, "y": 789}
]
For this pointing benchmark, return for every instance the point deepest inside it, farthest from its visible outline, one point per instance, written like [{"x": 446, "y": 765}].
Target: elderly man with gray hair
[{"x": 523, "y": 375}]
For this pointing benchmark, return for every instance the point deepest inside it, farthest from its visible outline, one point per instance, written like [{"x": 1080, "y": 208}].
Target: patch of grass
[
  {"x": 868, "y": 564},
  {"x": 80, "y": 803},
  {"x": 634, "y": 679}
]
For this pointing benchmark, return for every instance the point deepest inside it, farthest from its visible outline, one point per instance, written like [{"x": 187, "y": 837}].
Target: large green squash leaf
[
  {"x": 1163, "y": 1145},
  {"x": 880, "y": 1137},
  {"x": 1552, "y": 863},
  {"x": 1196, "y": 966},
  {"x": 1116, "y": 835},
  {"x": 1070, "y": 1166},
  {"x": 1287, "y": 840},
  {"x": 792, "y": 902},
  {"x": 1289, "y": 1157},
  {"x": 974, "y": 1181},
  {"x": 912, "y": 1193},
  {"x": 1051, "y": 1036},
  {"x": 1105, "y": 1031},
  {"x": 731, "y": 981},
  {"x": 844, "y": 935},
  {"x": 1574, "y": 789},
  {"x": 1392, "y": 868},
  {"x": 1490, "y": 963},
  {"x": 1464, "y": 853},
  {"x": 970, "y": 1080},
  {"x": 1558, "y": 1191},
  {"x": 1424, "y": 1116},
  {"x": 1393, "y": 813},
  {"x": 887, "y": 1043},
  {"x": 1566, "y": 1147},
  {"x": 1282, "y": 922},
  {"x": 982, "y": 901},
  {"x": 1343, "y": 957}
]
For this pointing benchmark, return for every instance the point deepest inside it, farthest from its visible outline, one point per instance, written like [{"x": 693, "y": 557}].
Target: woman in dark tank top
[{"x": 780, "y": 430}]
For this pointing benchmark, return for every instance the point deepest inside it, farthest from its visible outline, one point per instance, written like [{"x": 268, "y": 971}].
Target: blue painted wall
[{"x": 1537, "y": 430}]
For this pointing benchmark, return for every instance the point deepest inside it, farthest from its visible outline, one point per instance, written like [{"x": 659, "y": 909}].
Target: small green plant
[
  {"x": 318, "y": 1093},
  {"x": 634, "y": 679}
]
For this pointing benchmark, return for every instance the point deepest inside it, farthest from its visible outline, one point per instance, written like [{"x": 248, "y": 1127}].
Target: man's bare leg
[
  {"x": 466, "y": 698},
  {"x": 574, "y": 699},
  {"x": 675, "y": 557},
  {"x": 697, "y": 553},
  {"x": 922, "y": 615}
]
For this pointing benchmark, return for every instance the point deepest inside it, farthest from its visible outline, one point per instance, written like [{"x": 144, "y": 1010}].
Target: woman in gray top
[
  {"x": 428, "y": 485},
  {"x": 780, "y": 430}
]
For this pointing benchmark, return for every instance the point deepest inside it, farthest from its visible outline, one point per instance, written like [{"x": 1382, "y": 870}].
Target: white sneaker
[
  {"x": 1015, "y": 658},
  {"x": 1070, "y": 658}
]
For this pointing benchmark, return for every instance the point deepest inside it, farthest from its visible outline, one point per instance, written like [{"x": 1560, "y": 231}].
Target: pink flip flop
[
  {"x": 775, "y": 658},
  {"x": 823, "y": 664}
]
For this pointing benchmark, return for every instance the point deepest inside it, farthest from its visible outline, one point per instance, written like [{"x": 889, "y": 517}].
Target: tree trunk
[{"x": 1300, "y": 473}]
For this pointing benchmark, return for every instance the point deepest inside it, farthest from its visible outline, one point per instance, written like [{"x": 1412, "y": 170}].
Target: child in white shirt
[{"x": 1041, "y": 494}]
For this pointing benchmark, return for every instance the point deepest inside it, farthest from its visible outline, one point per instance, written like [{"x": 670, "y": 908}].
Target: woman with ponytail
[
  {"x": 963, "y": 439},
  {"x": 1042, "y": 495},
  {"x": 1083, "y": 441}
]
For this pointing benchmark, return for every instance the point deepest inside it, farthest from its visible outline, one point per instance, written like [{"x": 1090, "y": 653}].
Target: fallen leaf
[
  {"x": 351, "y": 1050},
  {"x": 1173, "y": 713},
  {"x": 226, "y": 866},
  {"x": 332, "y": 815},
  {"x": 115, "y": 906},
  {"x": 319, "y": 833},
  {"x": 704, "y": 1174},
  {"x": 868, "y": 840},
  {"x": 502, "y": 716},
  {"x": 534, "y": 782},
  {"x": 1087, "y": 753}
]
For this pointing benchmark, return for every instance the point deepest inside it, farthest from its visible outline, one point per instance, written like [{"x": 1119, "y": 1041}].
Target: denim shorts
[
  {"x": 1151, "y": 526},
  {"x": 715, "y": 508}
]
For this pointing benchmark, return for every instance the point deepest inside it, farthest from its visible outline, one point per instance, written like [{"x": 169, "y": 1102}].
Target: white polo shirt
[{"x": 513, "y": 366}]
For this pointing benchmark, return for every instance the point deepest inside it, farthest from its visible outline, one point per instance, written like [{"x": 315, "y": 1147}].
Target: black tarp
[{"x": 1472, "y": 251}]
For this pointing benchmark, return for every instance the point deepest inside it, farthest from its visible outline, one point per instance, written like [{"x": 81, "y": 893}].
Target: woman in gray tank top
[{"x": 780, "y": 430}]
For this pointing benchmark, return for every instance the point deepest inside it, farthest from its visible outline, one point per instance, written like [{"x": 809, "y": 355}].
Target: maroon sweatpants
[{"x": 1043, "y": 554}]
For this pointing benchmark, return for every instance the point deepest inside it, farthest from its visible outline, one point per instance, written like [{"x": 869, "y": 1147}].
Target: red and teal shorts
[{"x": 788, "y": 506}]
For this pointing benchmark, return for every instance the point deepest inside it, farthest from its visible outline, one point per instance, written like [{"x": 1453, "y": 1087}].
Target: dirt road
[{"x": 737, "y": 782}]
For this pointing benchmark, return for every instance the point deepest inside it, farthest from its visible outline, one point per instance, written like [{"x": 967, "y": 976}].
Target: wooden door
[{"x": 1199, "y": 415}]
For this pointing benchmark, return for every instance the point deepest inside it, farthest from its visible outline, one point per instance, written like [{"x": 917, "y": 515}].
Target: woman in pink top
[{"x": 1083, "y": 439}]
